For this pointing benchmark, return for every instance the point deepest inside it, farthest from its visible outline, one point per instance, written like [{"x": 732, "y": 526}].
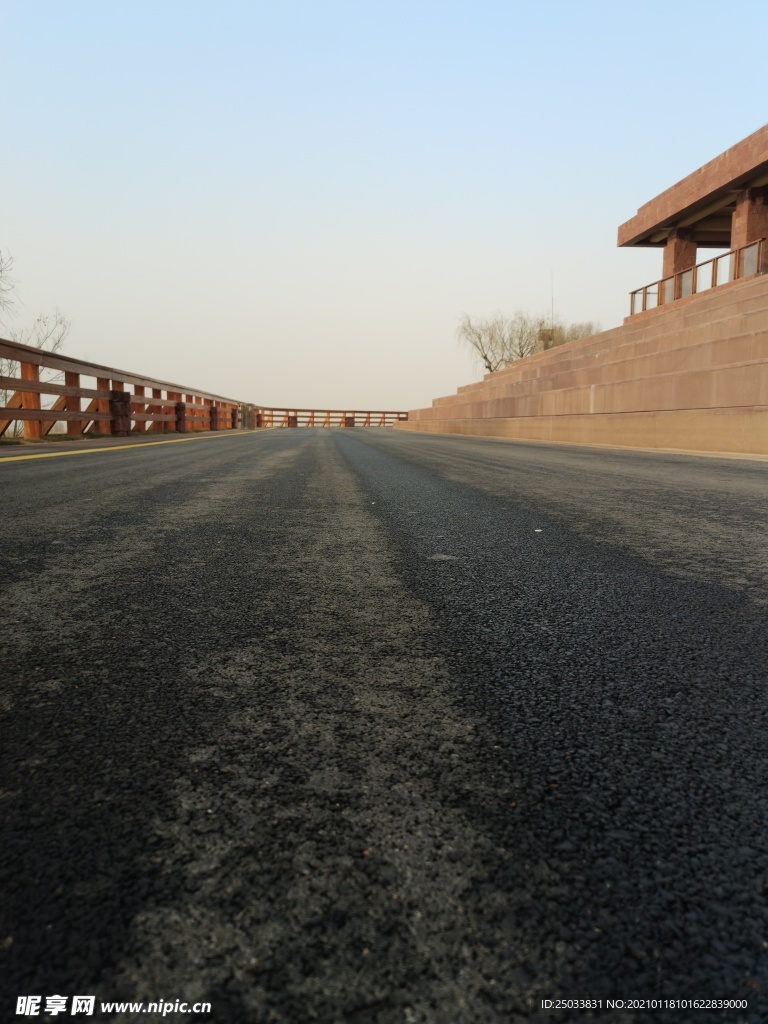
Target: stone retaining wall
[{"x": 693, "y": 376}]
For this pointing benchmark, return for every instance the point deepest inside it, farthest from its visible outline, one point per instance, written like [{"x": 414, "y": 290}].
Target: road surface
[{"x": 372, "y": 727}]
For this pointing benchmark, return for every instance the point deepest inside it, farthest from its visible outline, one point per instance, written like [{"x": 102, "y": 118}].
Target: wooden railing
[
  {"x": 730, "y": 266},
  {"x": 119, "y": 403},
  {"x": 122, "y": 403},
  {"x": 325, "y": 418}
]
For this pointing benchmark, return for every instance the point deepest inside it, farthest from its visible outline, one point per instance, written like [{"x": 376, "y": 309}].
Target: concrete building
[
  {"x": 688, "y": 369},
  {"x": 722, "y": 205}
]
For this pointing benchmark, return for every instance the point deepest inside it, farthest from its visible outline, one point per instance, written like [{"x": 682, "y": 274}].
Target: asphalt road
[{"x": 372, "y": 727}]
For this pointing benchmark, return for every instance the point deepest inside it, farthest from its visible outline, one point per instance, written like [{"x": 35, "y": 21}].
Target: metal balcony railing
[{"x": 730, "y": 266}]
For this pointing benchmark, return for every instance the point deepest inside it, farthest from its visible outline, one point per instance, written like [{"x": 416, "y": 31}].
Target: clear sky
[{"x": 294, "y": 202}]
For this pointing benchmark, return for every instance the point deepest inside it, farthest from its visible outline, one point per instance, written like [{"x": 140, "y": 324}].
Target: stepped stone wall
[{"x": 691, "y": 375}]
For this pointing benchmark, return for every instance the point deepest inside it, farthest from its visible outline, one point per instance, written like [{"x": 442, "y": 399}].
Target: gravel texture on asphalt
[{"x": 373, "y": 727}]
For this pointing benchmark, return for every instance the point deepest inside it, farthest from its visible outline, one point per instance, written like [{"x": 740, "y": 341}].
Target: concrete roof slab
[{"x": 702, "y": 193}]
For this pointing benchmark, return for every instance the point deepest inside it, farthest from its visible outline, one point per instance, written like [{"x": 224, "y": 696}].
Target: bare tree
[
  {"x": 572, "y": 332},
  {"x": 500, "y": 340},
  {"x": 522, "y": 336},
  {"x": 48, "y": 332},
  {"x": 476, "y": 335},
  {"x": 7, "y": 285}
]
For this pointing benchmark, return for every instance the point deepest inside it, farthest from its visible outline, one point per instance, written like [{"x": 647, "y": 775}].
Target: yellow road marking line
[{"x": 114, "y": 447}]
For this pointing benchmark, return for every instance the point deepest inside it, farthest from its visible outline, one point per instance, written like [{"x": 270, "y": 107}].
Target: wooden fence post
[
  {"x": 120, "y": 412},
  {"x": 33, "y": 430},
  {"x": 181, "y": 417},
  {"x": 138, "y": 407},
  {"x": 103, "y": 426},
  {"x": 156, "y": 426},
  {"x": 72, "y": 403}
]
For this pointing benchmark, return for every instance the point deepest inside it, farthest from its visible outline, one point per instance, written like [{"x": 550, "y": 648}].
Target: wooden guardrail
[
  {"x": 120, "y": 402},
  {"x": 325, "y": 418}
]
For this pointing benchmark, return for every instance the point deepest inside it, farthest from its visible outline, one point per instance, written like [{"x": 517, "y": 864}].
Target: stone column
[
  {"x": 750, "y": 218},
  {"x": 679, "y": 253}
]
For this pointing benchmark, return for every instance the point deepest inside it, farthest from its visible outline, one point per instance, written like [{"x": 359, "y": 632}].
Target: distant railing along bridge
[
  {"x": 40, "y": 389},
  {"x": 326, "y": 418}
]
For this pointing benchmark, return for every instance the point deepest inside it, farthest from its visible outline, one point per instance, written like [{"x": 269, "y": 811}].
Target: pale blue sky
[{"x": 294, "y": 203}]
